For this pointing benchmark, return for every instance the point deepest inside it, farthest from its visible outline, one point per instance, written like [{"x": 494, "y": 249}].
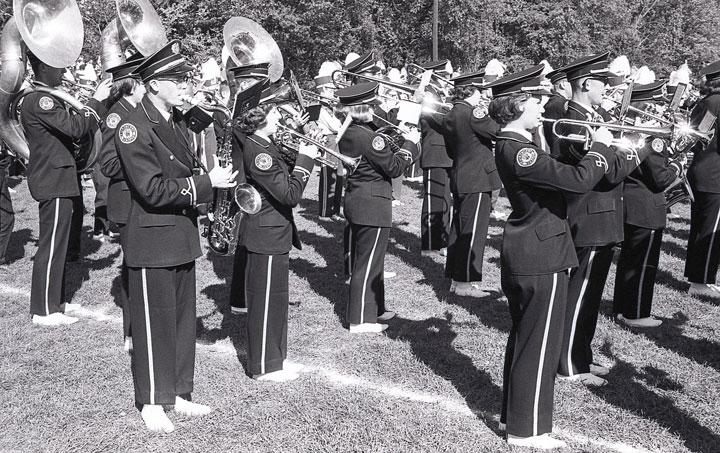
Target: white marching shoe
[
  {"x": 68, "y": 307},
  {"x": 367, "y": 327},
  {"x": 155, "y": 418},
  {"x": 469, "y": 289},
  {"x": 704, "y": 289},
  {"x": 190, "y": 409},
  {"x": 542, "y": 442},
  {"x": 54, "y": 319},
  {"x": 277, "y": 376},
  {"x": 640, "y": 322},
  {"x": 599, "y": 370}
]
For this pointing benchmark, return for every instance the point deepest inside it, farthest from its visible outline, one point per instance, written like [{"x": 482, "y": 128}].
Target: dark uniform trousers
[
  {"x": 348, "y": 250},
  {"x": 101, "y": 183},
  {"x": 7, "y": 214},
  {"x": 367, "y": 284},
  {"x": 264, "y": 290},
  {"x": 124, "y": 286},
  {"x": 162, "y": 305},
  {"x": 76, "y": 224},
  {"x": 437, "y": 202},
  {"x": 48, "y": 275},
  {"x": 703, "y": 254},
  {"x": 636, "y": 270},
  {"x": 537, "y": 308},
  {"x": 587, "y": 282},
  {"x": 471, "y": 218},
  {"x": 330, "y": 192}
]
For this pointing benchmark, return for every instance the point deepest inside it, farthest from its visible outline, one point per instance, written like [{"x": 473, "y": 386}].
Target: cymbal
[{"x": 249, "y": 43}]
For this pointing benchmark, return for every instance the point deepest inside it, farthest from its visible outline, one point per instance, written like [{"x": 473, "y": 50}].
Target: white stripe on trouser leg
[
  {"x": 367, "y": 275},
  {"x": 50, "y": 258},
  {"x": 324, "y": 191},
  {"x": 642, "y": 274},
  {"x": 712, "y": 240},
  {"x": 538, "y": 381},
  {"x": 265, "y": 315},
  {"x": 472, "y": 238},
  {"x": 349, "y": 254},
  {"x": 148, "y": 334},
  {"x": 578, "y": 302},
  {"x": 429, "y": 210}
]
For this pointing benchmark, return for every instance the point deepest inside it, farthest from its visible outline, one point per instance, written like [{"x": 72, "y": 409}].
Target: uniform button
[
  {"x": 184, "y": 211},
  {"x": 622, "y": 198},
  {"x": 172, "y": 157}
]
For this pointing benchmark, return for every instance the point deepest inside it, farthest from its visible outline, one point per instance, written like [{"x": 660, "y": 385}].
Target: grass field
[{"x": 432, "y": 383}]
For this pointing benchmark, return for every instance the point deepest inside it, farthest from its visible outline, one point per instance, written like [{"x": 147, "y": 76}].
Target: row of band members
[{"x": 557, "y": 246}]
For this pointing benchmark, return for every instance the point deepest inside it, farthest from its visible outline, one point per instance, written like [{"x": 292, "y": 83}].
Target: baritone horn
[
  {"x": 351, "y": 163},
  {"x": 137, "y": 23},
  {"x": 42, "y": 26}
]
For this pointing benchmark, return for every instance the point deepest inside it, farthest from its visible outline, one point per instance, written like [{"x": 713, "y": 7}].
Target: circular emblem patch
[
  {"x": 112, "y": 120},
  {"x": 46, "y": 103},
  {"x": 127, "y": 133},
  {"x": 526, "y": 157},
  {"x": 658, "y": 145},
  {"x": 479, "y": 112},
  {"x": 263, "y": 161},
  {"x": 378, "y": 143}
]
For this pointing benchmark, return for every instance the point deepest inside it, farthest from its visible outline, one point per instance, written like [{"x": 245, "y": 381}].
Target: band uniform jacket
[
  {"x": 595, "y": 217},
  {"x": 555, "y": 108},
  {"x": 469, "y": 133},
  {"x": 644, "y": 189},
  {"x": 704, "y": 171},
  {"x": 50, "y": 130},
  {"x": 158, "y": 165},
  {"x": 272, "y": 230},
  {"x": 434, "y": 153},
  {"x": 118, "y": 199},
  {"x": 368, "y": 194},
  {"x": 537, "y": 238}
]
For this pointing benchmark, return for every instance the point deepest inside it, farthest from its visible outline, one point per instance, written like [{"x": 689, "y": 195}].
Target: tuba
[
  {"x": 137, "y": 23},
  {"x": 41, "y": 26}
]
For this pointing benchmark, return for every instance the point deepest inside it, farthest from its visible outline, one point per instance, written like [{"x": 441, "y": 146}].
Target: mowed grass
[{"x": 432, "y": 383}]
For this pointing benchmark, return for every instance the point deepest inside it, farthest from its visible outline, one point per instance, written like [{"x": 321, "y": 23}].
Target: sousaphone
[
  {"x": 42, "y": 26},
  {"x": 249, "y": 43}
]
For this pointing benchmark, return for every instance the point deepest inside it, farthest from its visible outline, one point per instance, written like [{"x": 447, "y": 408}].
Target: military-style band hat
[
  {"x": 526, "y": 81},
  {"x": 556, "y": 76},
  {"x": 250, "y": 71},
  {"x": 363, "y": 63},
  {"x": 127, "y": 69},
  {"x": 166, "y": 62},
  {"x": 711, "y": 71},
  {"x": 435, "y": 65},
  {"x": 649, "y": 92},
  {"x": 362, "y": 93},
  {"x": 593, "y": 66},
  {"x": 472, "y": 78}
]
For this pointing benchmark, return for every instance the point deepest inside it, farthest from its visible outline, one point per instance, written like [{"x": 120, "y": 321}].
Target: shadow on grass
[
  {"x": 78, "y": 272},
  {"x": 628, "y": 393},
  {"x": 682, "y": 233},
  {"x": 431, "y": 341},
  {"x": 16, "y": 246}
]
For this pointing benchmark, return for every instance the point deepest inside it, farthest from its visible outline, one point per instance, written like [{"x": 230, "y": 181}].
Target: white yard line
[{"x": 7, "y": 289}]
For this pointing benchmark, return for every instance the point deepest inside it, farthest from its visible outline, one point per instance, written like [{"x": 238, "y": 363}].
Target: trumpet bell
[
  {"x": 142, "y": 25},
  {"x": 249, "y": 43},
  {"x": 247, "y": 198},
  {"x": 44, "y": 27}
]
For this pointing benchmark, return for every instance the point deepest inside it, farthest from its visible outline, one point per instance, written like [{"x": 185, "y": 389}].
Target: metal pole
[{"x": 435, "y": 30}]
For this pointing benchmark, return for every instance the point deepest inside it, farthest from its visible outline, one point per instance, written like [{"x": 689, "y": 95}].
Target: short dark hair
[
  {"x": 119, "y": 89},
  {"x": 505, "y": 109},
  {"x": 710, "y": 87},
  {"x": 463, "y": 92},
  {"x": 253, "y": 119}
]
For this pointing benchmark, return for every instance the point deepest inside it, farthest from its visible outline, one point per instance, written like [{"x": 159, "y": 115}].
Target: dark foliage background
[{"x": 659, "y": 33}]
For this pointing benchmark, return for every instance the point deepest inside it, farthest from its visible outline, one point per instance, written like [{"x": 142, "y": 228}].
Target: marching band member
[
  {"x": 331, "y": 182},
  {"x": 161, "y": 241},
  {"x": 368, "y": 204},
  {"x": 53, "y": 181},
  {"x": 645, "y": 218},
  {"x": 266, "y": 237},
  {"x": 557, "y": 104},
  {"x": 468, "y": 134},
  {"x": 7, "y": 213},
  {"x": 436, "y": 165},
  {"x": 125, "y": 94},
  {"x": 596, "y": 223},
  {"x": 703, "y": 255},
  {"x": 537, "y": 252}
]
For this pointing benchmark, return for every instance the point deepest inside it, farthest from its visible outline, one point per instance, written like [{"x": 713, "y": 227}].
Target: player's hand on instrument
[
  {"x": 222, "y": 177},
  {"x": 317, "y": 134},
  {"x": 311, "y": 151},
  {"x": 602, "y": 135},
  {"x": 301, "y": 118},
  {"x": 413, "y": 135},
  {"x": 103, "y": 90}
]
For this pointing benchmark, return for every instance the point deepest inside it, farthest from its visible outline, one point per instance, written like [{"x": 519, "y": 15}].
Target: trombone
[
  {"x": 434, "y": 74},
  {"x": 351, "y": 163},
  {"x": 411, "y": 89},
  {"x": 590, "y": 126}
]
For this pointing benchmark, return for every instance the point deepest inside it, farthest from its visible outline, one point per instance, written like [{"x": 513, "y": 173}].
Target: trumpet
[
  {"x": 590, "y": 126},
  {"x": 351, "y": 163}
]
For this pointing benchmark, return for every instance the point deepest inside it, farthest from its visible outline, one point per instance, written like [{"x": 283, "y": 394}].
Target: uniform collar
[
  {"x": 514, "y": 135},
  {"x": 259, "y": 140},
  {"x": 581, "y": 108},
  {"x": 125, "y": 104},
  {"x": 151, "y": 112}
]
